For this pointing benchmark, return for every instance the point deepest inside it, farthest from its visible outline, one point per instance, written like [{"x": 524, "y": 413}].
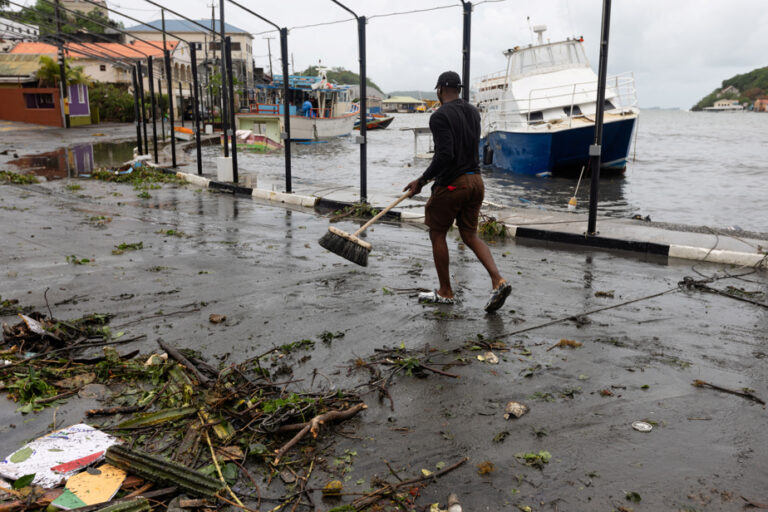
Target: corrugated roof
[
  {"x": 23, "y": 66},
  {"x": 184, "y": 26},
  {"x": 131, "y": 51},
  {"x": 402, "y": 99}
]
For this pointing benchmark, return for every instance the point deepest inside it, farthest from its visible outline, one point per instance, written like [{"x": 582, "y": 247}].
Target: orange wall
[{"x": 14, "y": 108}]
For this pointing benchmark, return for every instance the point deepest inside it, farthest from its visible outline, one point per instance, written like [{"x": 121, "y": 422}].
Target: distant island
[{"x": 748, "y": 91}]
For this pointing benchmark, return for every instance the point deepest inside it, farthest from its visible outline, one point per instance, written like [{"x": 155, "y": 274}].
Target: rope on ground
[{"x": 570, "y": 317}]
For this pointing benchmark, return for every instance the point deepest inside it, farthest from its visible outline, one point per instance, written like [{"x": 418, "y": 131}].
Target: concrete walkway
[
  {"x": 696, "y": 243},
  {"x": 645, "y": 339}
]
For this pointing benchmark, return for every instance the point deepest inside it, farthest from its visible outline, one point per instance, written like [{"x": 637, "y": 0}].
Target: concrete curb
[{"x": 744, "y": 259}]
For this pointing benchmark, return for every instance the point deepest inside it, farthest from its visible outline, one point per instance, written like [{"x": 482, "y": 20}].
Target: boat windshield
[{"x": 546, "y": 58}]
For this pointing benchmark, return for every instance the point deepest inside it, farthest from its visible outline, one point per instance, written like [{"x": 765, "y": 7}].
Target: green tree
[
  {"x": 340, "y": 75},
  {"x": 113, "y": 102},
  {"x": 49, "y": 72},
  {"x": 43, "y": 14}
]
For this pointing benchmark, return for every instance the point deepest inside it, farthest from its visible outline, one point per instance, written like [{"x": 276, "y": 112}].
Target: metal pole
[
  {"x": 465, "y": 49},
  {"x": 169, "y": 78},
  {"x": 162, "y": 116},
  {"x": 363, "y": 112},
  {"x": 196, "y": 107},
  {"x": 595, "y": 149},
  {"x": 181, "y": 103},
  {"x": 150, "y": 65},
  {"x": 136, "y": 112},
  {"x": 232, "y": 109},
  {"x": 62, "y": 70},
  {"x": 224, "y": 114},
  {"x": 286, "y": 108},
  {"x": 210, "y": 91},
  {"x": 143, "y": 106},
  {"x": 269, "y": 52}
]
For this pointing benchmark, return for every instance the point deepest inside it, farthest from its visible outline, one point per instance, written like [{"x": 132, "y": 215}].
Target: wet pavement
[{"x": 260, "y": 265}]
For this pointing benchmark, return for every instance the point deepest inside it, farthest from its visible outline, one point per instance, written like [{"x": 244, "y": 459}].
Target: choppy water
[{"x": 689, "y": 167}]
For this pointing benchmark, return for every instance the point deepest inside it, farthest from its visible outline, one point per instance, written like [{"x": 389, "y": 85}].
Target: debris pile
[{"x": 175, "y": 425}]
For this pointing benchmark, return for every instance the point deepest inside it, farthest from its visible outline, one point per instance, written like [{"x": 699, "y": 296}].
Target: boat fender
[{"x": 487, "y": 155}]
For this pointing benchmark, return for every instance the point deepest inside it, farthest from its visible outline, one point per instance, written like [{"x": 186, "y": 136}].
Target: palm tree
[{"x": 49, "y": 72}]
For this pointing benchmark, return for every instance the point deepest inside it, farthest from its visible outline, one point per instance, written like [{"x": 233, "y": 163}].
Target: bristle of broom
[{"x": 345, "y": 248}]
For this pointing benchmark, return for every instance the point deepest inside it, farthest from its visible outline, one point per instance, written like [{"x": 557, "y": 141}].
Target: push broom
[{"x": 349, "y": 246}]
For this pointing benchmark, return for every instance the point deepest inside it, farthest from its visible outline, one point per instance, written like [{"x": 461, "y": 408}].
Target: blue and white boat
[{"x": 538, "y": 114}]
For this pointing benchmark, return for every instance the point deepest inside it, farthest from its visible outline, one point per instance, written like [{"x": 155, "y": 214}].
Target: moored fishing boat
[
  {"x": 376, "y": 122},
  {"x": 332, "y": 113},
  {"x": 537, "y": 116}
]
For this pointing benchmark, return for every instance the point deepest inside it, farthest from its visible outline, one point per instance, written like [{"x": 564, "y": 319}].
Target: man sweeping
[{"x": 458, "y": 192}]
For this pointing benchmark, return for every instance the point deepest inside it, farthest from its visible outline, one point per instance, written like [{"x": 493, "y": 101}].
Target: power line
[{"x": 384, "y": 15}]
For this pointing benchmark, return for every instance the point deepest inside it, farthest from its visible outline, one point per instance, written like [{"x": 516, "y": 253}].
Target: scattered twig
[
  {"x": 313, "y": 426},
  {"x": 703, "y": 384},
  {"x": 439, "y": 372},
  {"x": 216, "y": 463},
  {"x": 174, "y": 353},
  {"x": 373, "y": 497},
  {"x": 50, "y": 399},
  {"x": 45, "y": 296},
  {"x": 755, "y": 504}
]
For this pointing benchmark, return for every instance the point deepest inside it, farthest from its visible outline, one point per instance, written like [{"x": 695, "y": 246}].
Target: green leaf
[
  {"x": 23, "y": 481},
  {"x": 156, "y": 418},
  {"x": 634, "y": 497}
]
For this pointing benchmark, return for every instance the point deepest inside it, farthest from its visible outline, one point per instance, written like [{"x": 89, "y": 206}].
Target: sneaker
[
  {"x": 498, "y": 297},
  {"x": 433, "y": 298}
]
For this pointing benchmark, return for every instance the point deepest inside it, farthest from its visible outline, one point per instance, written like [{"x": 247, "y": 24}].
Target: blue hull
[{"x": 561, "y": 152}]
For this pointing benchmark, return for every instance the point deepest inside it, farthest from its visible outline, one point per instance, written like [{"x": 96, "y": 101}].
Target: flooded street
[{"x": 261, "y": 267}]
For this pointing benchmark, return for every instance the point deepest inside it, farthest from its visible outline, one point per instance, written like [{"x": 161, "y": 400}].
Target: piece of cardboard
[
  {"x": 69, "y": 450},
  {"x": 91, "y": 487}
]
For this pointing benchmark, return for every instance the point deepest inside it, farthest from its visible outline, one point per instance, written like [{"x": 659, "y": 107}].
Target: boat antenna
[
  {"x": 540, "y": 29},
  {"x": 530, "y": 29}
]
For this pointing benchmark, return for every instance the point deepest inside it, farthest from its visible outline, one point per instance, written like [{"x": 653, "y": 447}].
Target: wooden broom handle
[{"x": 382, "y": 213}]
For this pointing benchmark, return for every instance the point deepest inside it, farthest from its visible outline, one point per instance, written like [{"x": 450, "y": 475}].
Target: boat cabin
[{"x": 547, "y": 84}]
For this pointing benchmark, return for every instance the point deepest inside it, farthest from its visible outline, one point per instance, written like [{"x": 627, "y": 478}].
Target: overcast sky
[{"x": 679, "y": 50}]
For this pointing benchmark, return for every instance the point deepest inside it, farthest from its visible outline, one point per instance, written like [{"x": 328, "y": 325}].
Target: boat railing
[
  {"x": 516, "y": 113},
  {"x": 264, "y": 108}
]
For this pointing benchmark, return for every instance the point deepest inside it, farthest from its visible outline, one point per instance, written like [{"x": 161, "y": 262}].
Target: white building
[
  {"x": 12, "y": 32},
  {"x": 207, "y": 49}
]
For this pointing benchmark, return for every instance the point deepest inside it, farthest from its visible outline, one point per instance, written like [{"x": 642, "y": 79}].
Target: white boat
[
  {"x": 333, "y": 115},
  {"x": 538, "y": 114}
]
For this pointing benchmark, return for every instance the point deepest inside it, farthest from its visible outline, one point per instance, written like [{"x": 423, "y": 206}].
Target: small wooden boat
[
  {"x": 246, "y": 139},
  {"x": 376, "y": 122},
  {"x": 183, "y": 133}
]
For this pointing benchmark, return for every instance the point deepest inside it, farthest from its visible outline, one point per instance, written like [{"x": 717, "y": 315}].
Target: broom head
[{"x": 346, "y": 245}]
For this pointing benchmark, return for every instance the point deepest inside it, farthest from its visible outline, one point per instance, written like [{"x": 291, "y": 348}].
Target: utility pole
[
  {"x": 62, "y": 71},
  {"x": 269, "y": 51}
]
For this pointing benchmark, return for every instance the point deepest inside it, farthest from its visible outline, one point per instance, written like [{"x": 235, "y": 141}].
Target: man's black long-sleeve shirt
[{"x": 456, "y": 131}]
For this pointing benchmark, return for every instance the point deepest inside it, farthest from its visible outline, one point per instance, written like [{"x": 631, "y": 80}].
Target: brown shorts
[{"x": 460, "y": 201}]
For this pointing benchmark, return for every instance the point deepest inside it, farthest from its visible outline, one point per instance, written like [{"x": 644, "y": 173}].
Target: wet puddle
[{"x": 74, "y": 161}]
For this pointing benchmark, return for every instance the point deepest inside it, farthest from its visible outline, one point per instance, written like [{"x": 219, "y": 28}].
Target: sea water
[{"x": 702, "y": 169}]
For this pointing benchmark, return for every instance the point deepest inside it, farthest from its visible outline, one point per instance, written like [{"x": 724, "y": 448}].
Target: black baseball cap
[{"x": 449, "y": 79}]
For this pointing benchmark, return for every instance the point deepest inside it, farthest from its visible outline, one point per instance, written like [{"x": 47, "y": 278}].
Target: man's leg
[
  {"x": 440, "y": 255},
  {"x": 483, "y": 254}
]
